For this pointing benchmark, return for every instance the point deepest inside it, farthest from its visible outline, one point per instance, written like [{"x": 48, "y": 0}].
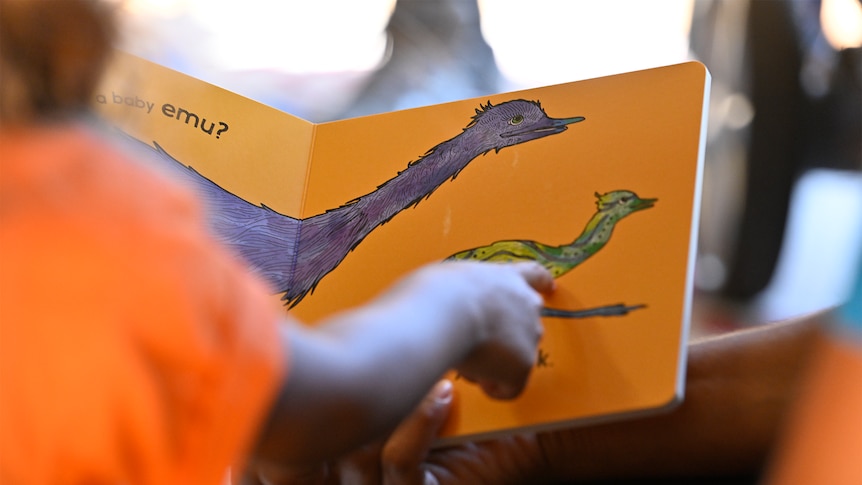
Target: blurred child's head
[{"x": 52, "y": 54}]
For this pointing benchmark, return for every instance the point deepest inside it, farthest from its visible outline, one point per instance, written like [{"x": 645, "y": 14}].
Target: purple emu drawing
[{"x": 295, "y": 254}]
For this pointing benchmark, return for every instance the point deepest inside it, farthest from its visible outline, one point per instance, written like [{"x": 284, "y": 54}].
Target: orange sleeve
[{"x": 133, "y": 349}]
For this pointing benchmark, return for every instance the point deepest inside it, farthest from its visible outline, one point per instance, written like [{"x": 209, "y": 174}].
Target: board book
[{"x": 598, "y": 179}]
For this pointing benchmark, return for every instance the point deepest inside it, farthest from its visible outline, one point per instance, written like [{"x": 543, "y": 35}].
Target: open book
[{"x": 597, "y": 179}]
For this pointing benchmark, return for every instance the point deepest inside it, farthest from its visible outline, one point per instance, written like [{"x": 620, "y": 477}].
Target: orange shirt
[{"x": 133, "y": 349}]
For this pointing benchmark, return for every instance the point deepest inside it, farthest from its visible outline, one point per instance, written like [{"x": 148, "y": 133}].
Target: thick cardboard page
[{"x": 642, "y": 132}]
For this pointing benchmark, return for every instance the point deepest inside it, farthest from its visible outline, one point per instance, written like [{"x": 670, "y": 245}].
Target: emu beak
[
  {"x": 567, "y": 121},
  {"x": 547, "y": 126},
  {"x": 644, "y": 204}
]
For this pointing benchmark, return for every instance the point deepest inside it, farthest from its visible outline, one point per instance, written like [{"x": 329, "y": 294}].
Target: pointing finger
[{"x": 536, "y": 276}]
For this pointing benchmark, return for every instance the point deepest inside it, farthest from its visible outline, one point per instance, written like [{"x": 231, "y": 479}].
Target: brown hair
[{"x": 52, "y": 54}]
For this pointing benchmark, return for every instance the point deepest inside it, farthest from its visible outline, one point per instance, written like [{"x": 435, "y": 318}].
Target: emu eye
[{"x": 516, "y": 120}]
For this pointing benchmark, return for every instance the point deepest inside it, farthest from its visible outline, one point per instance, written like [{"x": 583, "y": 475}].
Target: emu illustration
[
  {"x": 295, "y": 254},
  {"x": 559, "y": 260}
]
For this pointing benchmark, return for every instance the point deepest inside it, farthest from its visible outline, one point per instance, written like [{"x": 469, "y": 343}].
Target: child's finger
[{"x": 536, "y": 276}]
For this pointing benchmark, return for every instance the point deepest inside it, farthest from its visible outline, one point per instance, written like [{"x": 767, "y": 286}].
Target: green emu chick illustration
[{"x": 612, "y": 207}]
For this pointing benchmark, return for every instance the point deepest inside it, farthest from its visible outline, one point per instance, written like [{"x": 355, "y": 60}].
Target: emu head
[
  {"x": 515, "y": 122},
  {"x": 622, "y": 202}
]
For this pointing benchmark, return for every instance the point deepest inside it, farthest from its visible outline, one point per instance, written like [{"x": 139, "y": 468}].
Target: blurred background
[{"x": 781, "y": 221}]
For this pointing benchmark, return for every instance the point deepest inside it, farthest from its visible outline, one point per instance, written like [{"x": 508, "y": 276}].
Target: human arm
[
  {"x": 738, "y": 389},
  {"x": 354, "y": 376}
]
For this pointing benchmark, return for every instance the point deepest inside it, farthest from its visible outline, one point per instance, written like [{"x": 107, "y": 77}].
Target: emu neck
[
  {"x": 415, "y": 183},
  {"x": 594, "y": 236},
  {"x": 325, "y": 239}
]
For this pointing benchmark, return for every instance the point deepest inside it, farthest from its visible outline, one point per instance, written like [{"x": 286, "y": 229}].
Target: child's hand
[
  {"x": 359, "y": 372},
  {"x": 508, "y": 319},
  {"x": 501, "y": 302}
]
